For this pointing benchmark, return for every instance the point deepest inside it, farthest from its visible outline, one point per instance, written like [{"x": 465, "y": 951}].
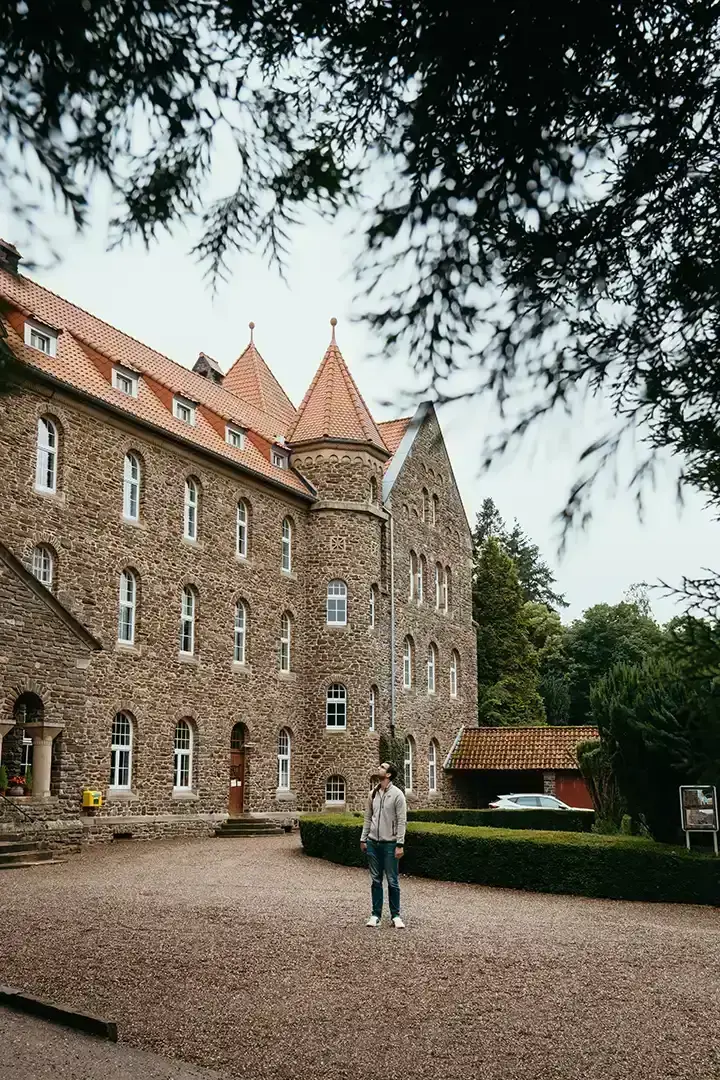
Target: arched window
[
  {"x": 373, "y": 490},
  {"x": 191, "y": 509},
  {"x": 336, "y": 707},
  {"x": 432, "y": 767},
  {"x": 373, "y": 706},
  {"x": 422, "y": 571},
  {"x": 188, "y": 613},
  {"x": 373, "y": 605},
  {"x": 447, "y": 590},
  {"x": 413, "y": 573},
  {"x": 431, "y": 666},
  {"x": 131, "y": 487},
  {"x": 336, "y": 603},
  {"x": 425, "y": 505},
  {"x": 287, "y": 545},
  {"x": 127, "y": 608},
  {"x": 241, "y": 532},
  {"x": 240, "y": 632},
  {"x": 454, "y": 665},
  {"x": 435, "y": 509},
  {"x": 46, "y": 459},
  {"x": 285, "y": 641},
  {"x": 237, "y": 737},
  {"x": 409, "y": 759},
  {"x": 121, "y": 751},
  {"x": 43, "y": 565},
  {"x": 335, "y": 789},
  {"x": 407, "y": 662},
  {"x": 283, "y": 757},
  {"x": 182, "y": 773}
]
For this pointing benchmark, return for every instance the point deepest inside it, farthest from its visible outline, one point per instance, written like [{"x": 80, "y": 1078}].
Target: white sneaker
[
  {"x": 373, "y": 921},
  {"x": 398, "y": 923}
]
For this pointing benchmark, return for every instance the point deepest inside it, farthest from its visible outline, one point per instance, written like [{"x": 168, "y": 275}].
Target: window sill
[
  {"x": 335, "y": 730},
  {"x": 52, "y": 496},
  {"x": 241, "y": 669},
  {"x": 287, "y": 676},
  {"x": 288, "y": 575},
  {"x": 336, "y": 626},
  {"x": 185, "y": 795},
  {"x": 187, "y": 658},
  {"x": 243, "y": 560},
  {"x": 285, "y": 795},
  {"x": 119, "y": 795},
  {"x": 335, "y": 807},
  {"x": 134, "y": 523},
  {"x": 194, "y": 545},
  {"x": 127, "y": 650}
]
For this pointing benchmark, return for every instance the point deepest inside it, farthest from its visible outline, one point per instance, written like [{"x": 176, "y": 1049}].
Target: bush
[
  {"x": 616, "y": 867},
  {"x": 548, "y": 820}
]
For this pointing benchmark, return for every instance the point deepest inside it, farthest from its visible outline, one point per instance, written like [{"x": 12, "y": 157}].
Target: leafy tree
[
  {"x": 547, "y": 636},
  {"x": 549, "y": 180},
  {"x": 536, "y": 577},
  {"x": 660, "y": 729},
  {"x": 595, "y": 766},
  {"x": 606, "y": 635},
  {"x": 507, "y": 661}
]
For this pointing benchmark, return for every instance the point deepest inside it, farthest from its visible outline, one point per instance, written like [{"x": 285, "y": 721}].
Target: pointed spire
[
  {"x": 333, "y": 407},
  {"x": 252, "y": 380}
]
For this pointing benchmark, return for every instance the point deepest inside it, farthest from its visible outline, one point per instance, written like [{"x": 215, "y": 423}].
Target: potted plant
[
  {"x": 3, "y": 779},
  {"x": 16, "y": 786}
]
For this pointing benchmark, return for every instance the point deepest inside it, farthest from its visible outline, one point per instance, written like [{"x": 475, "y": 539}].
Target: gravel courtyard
[{"x": 247, "y": 956}]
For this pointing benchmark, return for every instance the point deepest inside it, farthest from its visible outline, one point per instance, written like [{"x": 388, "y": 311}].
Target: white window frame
[
  {"x": 432, "y": 769},
  {"x": 183, "y": 757},
  {"x": 373, "y": 706},
  {"x": 445, "y": 591},
  {"x": 431, "y": 666},
  {"x": 235, "y": 436},
  {"x": 413, "y": 574},
  {"x": 35, "y": 332},
  {"x": 284, "y": 754},
  {"x": 334, "y": 785},
  {"x": 438, "y": 586},
  {"x": 240, "y": 633},
  {"x": 373, "y": 604},
  {"x": 121, "y": 748},
  {"x": 125, "y": 381},
  {"x": 43, "y": 565},
  {"x": 279, "y": 458},
  {"x": 191, "y": 509},
  {"x": 454, "y": 673},
  {"x": 26, "y": 754},
  {"x": 336, "y": 603},
  {"x": 46, "y": 460},
  {"x": 407, "y": 663},
  {"x": 241, "y": 529},
  {"x": 285, "y": 641},
  {"x": 132, "y": 474},
  {"x": 184, "y": 410},
  {"x": 408, "y": 764},
  {"x": 127, "y": 608},
  {"x": 421, "y": 571},
  {"x": 336, "y": 703},
  {"x": 287, "y": 531},
  {"x": 188, "y": 615}
]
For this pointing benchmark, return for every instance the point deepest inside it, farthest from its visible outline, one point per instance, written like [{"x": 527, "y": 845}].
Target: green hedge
[
  {"x": 617, "y": 867},
  {"x": 553, "y": 820}
]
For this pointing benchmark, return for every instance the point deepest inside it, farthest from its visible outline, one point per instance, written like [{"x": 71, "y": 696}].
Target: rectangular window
[
  {"x": 235, "y": 436},
  {"x": 184, "y": 410},
  {"x": 187, "y": 623},
  {"x": 125, "y": 381},
  {"x": 41, "y": 338},
  {"x": 279, "y": 459},
  {"x": 336, "y": 708}
]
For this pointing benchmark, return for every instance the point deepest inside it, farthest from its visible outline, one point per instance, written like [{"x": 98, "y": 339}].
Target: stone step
[
  {"x": 19, "y": 845},
  {"x": 11, "y": 859},
  {"x": 31, "y": 860},
  {"x": 224, "y": 834}
]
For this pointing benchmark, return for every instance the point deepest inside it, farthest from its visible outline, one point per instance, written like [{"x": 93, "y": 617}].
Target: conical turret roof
[{"x": 252, "y": 380}]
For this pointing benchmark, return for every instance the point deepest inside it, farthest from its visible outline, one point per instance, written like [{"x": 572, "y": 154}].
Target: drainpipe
[{"x": 392, "y": 626}]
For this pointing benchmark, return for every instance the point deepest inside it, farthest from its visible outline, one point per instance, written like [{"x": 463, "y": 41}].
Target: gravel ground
[{"x": 246, "y": 955}]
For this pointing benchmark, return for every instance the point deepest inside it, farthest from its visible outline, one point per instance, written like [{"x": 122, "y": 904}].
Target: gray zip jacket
[{"x": 385, "y": 816}]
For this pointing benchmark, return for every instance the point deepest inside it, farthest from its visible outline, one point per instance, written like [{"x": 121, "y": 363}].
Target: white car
[{"x": 530, "y": 802}]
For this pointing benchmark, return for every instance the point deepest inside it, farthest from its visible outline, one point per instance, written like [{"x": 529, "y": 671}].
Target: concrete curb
[{"x": 57, "y": 1014}]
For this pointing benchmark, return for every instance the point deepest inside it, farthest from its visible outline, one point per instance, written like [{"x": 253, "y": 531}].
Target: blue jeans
[{"x": 382, "y": 861}]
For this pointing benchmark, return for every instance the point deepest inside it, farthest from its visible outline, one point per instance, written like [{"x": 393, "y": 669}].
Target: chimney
[
  {"x": 208, "y": 368},
  {"x": 9, "y": 257}
]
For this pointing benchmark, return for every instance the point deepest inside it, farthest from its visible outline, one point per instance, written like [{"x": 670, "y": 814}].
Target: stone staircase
[
  {"x": 249, "y": 826},
  {"x": 16, "y": 853}
]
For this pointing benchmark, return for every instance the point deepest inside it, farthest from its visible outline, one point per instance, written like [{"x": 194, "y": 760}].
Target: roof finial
[
  {"x": 333, "y": 323},
  {"x": 252, "y": 327}
]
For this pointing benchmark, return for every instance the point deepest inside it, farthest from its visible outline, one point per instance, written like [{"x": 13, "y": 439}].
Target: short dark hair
[{"x": 391, "y": 770}]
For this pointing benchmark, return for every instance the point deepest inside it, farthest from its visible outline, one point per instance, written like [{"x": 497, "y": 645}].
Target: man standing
[{"x": 383, "y": 838}]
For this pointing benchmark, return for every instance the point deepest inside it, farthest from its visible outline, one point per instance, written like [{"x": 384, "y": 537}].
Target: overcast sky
[{"x": 161, "y": 298}]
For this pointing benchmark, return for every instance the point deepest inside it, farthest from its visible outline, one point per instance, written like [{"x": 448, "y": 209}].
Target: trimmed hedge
[
  {"x": 615, "y": 867},
  {"x": 548, "y": 820}
]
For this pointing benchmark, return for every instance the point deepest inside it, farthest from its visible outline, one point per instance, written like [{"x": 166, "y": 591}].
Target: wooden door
[{"x": 236, "y": 800}]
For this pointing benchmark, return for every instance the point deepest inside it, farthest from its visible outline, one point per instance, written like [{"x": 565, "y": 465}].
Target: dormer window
[
  {"x": 235, "y": 436},
  {"x": 41, "y": 338},
  {"x": 184, "y": 410},
  {"x": 125, "y": 381},
  {"x": 279, "y": 459}
]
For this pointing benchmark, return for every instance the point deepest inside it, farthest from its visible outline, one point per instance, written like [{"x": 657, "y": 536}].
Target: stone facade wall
[{"x": 343, "y": 535}]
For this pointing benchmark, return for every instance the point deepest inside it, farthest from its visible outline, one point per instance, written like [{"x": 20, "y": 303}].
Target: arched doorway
[
  {"x": 236, "y": 797},
  {"x": 28, "y": 709}
]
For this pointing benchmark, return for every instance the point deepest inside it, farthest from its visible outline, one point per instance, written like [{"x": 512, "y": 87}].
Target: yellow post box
[{"x": 92, "y": 798}]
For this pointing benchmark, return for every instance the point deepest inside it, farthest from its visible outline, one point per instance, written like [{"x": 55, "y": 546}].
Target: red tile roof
[
  {"x": 518, "y": 748},
  {"x": 251, "y": 379},
  {"x": 86, "y": 349},
  {"x": 333, "y": 407},
  {"x": 392, "y": 432}
]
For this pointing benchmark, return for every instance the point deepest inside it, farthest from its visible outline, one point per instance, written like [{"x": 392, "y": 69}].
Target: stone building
[{"x": 212, "y": 601}]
